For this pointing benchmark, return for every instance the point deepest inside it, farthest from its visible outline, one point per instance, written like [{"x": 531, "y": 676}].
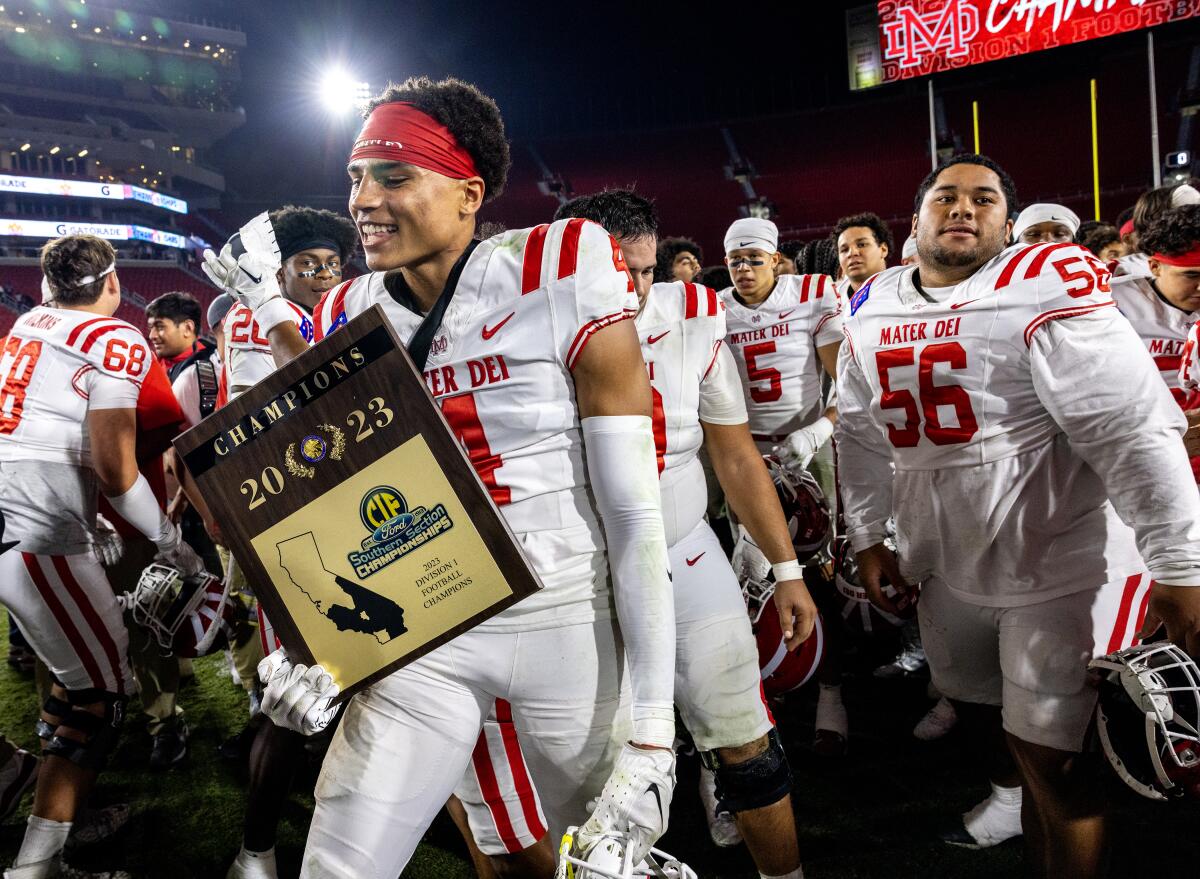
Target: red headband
[
  {"x": 1189, "y": 260},
  {"x": 400, "y": 132}
]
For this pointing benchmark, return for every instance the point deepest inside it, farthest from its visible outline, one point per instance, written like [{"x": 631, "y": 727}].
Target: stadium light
[{"x": 340, "y": 92}]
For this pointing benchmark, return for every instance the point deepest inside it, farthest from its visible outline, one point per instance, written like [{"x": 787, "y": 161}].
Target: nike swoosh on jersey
[
  {"x": 487, "y": 332},
  {"x": 692, "y": 562},
  {"x": 961, "y": 304},
  {"x": 650, "y": 340},
  {"x": 785, "y": 315}
]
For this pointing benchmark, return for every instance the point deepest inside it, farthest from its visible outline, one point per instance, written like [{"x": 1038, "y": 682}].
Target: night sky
[{"x": 621, "y": 93}]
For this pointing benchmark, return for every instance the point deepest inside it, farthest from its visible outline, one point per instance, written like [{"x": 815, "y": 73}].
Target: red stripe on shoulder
[
  {"x": 531, "y": 261},
  {"x": 588, "y": 329},
  {"x": 1059, "y": 313},
  {"x": 1035, "y": 265},
  {"x": 712, "y": 301},
  {"x": 78, "y": 331},
  {"x": 805, "y": 282},
  {"x": 821, "y": 285},
  {"x": 1010, "y": 268},
  {"x": 568, "y": 251},
  {"x": 95, "y": 334},
  {"x": 691, "y": 300}
]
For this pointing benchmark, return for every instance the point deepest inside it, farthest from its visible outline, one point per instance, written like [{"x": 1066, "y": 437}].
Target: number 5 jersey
[{"x": 1026, "y": 423}]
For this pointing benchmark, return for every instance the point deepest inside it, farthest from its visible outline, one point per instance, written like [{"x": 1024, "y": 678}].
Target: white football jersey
[
  {"x": 1189, "y": 362},
  {"x": 248, "y": 358},
  {"x": 775, "y": 345},
  {"x": 53, "y": 364},
  {"x": 525, "y": 305},
  {"x": 1010, "y": 427},
  {"x": 682, "y": 328},
  {"x": 1161, "y": 326}
]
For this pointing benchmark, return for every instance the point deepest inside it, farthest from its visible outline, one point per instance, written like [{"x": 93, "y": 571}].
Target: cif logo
[
  {"x": 381, "y": 505},
  {"x": 914, "y": 34}
]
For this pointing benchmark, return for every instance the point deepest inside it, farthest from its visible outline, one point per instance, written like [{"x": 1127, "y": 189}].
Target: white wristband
[
  {"x": 790, "y": 570},
  {"x": 272, "y": 313}
]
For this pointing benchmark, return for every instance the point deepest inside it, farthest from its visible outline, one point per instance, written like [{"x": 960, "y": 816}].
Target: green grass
[{"x": 873, "y": 814}]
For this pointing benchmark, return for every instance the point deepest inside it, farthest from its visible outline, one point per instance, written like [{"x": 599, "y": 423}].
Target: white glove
[
  {"x": 798, "y": 449},
  {"x": 176, "y": 553},
  {"x": 747, "y": 560},
  {"x": 250, "y": 279},
  {"x": 297, "y": 697},
  {"x": 636, "y": 801},
  {"x": 107, "y": 545}
]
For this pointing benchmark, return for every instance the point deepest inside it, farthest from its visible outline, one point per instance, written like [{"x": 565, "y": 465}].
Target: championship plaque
[{"x": 353, "y": 511}]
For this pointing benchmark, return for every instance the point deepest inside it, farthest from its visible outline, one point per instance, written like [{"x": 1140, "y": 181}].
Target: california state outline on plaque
[{"x": 359, "y": 608}]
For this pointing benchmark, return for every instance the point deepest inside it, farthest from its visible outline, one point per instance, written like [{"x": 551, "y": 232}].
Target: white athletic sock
[
  {"x": 831, "y": 713},
  {"x": 1007, "y": 796},
  {"x": 798, "y": 873},
  {"x": 997, "y": 818},
  {"x": 43, "y": 840}
]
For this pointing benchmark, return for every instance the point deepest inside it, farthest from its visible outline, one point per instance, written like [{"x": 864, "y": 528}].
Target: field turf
[{"x": 873, "y": 815}]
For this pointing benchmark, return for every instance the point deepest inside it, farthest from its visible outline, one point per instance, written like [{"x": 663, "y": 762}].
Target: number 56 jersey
[
  {"x": 1013, "y": 408},
  {"x": 525, "y": 305}
]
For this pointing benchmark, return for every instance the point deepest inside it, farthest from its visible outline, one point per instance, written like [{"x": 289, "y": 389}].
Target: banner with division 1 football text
[{"x": 920, "y": 37}]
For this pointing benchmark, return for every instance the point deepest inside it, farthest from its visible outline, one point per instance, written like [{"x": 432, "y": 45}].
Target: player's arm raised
[
  {"x": 1100, "y": 385},
  {"x": 252, "y": 282},
  {"x": 751, "y": 494},
  {"x": 865, "y": 480}
]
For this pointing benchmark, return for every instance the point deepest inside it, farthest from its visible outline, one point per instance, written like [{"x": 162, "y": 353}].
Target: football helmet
[
  {"x": 782, "y": 671},
  {"x": 857, "y": 610},
  {"x": 185, "y": 614},
  {"x": 804, "y": 508},
  {"x": 610, "y": 858},
  {"x": 1148, "y": 719}
]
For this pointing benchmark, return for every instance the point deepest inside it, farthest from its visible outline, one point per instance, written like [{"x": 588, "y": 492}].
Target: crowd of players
[{"x": 1010, "y": 450}]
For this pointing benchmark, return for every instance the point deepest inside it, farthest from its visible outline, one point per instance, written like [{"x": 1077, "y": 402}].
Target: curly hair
[
  {"x": 868, "y": 220},
  {"x": 67, "y": 260},
  {"x": 1173, "y": 231},
  {"x": 296, "y": 227},
  {"x": 622, "y": 212},
  {"x": 1097, "y": 236},
  {"x": 668, "y": 249},
  {"x": 470, "y": 115},
  {"x": 1007, "y": 186}
]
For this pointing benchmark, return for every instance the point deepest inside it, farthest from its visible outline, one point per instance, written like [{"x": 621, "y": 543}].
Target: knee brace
[
  {"x": 97, "y": 734},
  {"x": 754, "y": 783}
]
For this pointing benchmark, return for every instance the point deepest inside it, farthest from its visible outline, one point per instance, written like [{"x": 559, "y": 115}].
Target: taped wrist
[
  {"x": 822, "y": 430},
  {"x": 624, "y": 478},
  {"x": 139, "y": 507},
  {"x": 272, "y": 313}
]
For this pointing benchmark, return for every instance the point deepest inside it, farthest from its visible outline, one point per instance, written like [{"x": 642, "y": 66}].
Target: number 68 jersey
[
  {"x": 1012, "y": 409},
  {"x": 54, "y": 364}
]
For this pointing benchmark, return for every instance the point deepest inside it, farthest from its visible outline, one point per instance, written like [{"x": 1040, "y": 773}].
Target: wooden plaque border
[{"x": 415, "y": 413}]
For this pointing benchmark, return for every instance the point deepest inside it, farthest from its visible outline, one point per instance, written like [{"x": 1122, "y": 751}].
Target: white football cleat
[
  {"x": 991, "y": 822},
  {"x": 938, "y": 721},
  {"x": 611, "y": 857}
]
